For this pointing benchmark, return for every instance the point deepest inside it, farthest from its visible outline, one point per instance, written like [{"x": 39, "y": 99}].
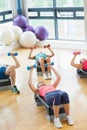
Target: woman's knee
[
  {"x": 48, "y": 59},
  {"x": 41, "y": 60},
  {"x": 10, "y": 69},
  {"x": 57, "y": 99},
  {"x": 65, "y": 94},
  {"x": 65, "y": 97}
]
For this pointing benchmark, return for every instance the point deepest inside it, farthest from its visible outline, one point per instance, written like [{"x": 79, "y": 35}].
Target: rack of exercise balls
[{"x": 30, "y": 36}]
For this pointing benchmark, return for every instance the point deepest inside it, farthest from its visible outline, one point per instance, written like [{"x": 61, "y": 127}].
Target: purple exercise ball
[
  {"x": 41, "y": 33},
  {"x": 29, "y": 28},
  {"x": 20, "y": 21}
]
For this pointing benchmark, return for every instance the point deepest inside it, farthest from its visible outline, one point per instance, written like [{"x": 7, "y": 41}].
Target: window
[
  {"x": 5, "y": 5},
  {"x": 39, "y": 3},
  {"x": 70, "y": 3},
  {"x": 5, "y": 11},
  {"x": 64, "y": 19}
]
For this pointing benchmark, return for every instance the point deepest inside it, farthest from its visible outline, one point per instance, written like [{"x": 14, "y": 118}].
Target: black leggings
[{"x": 57, "y": 97}]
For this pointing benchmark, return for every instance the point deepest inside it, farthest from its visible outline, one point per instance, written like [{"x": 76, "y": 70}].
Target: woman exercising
[
  {"x": 7, "y": 71},
  {"x": 83, "y": 62},
  {"x": 52, "y": 96},
  {"x": 42, "y": 58}
]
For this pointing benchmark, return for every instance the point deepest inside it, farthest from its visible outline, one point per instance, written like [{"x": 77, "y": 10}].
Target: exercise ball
[
  {"x": 28, "y": 39},
  {"x": 41, "y": 33},
  {"x": 29, "y": 28},
  {"x": 7, "y": 36},
  {"x": 17, "y": 32},
  {"x": 20, "y": 21}
]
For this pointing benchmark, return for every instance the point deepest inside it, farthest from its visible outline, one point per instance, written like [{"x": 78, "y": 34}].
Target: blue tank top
[{"x": 40, "y": 55}]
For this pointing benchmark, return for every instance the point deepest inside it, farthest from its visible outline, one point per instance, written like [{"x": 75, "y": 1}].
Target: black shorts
[
  {"x": 58, "y": 97},
  {"x": 2, "y": 73}
]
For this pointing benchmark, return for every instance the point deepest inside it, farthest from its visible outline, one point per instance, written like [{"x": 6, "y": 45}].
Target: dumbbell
[
  {"x": 30, "y": 67},
  {"x": 46, "y": 45},
  {"x": 52, "y": 63},
  {"x": 15, "y": 54},
  {"x": 76, "y": 53}
]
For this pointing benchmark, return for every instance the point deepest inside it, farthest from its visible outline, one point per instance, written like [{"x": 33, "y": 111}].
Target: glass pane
[
  {"x": 5, "y": 5},
  {"x": 46, "y": 14},
  {"x": 70, "y": 3},
  {"x": 39, "y": 3},
  {"x": 45, "y": 23},
  {"x": 71, "y": 29}
]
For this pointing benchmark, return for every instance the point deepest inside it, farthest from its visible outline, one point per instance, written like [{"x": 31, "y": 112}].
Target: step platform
[
  {"x": 5, "y": 83},
  {"x": 81, "y": 73}
]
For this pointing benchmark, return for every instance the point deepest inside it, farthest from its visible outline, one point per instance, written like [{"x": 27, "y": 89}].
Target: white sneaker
[
  {"x": 45, "y": 76},
  {"x": 57, "y": 123},
  {"x": 70, "y": 121},
  {"x": 49, "y": 76}
]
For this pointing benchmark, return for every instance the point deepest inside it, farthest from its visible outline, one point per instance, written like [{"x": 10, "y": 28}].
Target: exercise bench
[
  {"x": 50, "y": 114},
  {"x": 5, "y": 83},
  {"x": 82, "y": 73}
]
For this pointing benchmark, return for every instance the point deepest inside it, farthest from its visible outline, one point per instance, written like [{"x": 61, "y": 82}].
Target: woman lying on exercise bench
[
  {"x": 42, "y": 58},
  {"x": 83, "y": 62},
  {"x": 7, "y": 71},
  {"x": 52, "y": 96}
]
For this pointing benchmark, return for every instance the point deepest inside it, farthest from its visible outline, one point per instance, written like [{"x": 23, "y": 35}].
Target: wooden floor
[{"x": 19, "y": 112}]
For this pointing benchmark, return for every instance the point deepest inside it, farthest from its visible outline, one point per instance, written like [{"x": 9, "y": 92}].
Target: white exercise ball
[
  {"x": 17, "y": 32},
  {"x": 7, "y": 36},
  {"x": 28, "y": 39}
]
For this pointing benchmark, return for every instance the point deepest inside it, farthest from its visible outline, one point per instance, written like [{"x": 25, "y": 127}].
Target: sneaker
[
  {"x": 70, "y": 121},
  {"x": 45, "y": 76},
  {"x": 57, "y": 123},
  {"x": 15, "y": 90},
  {"x": 49, "y": 76}
]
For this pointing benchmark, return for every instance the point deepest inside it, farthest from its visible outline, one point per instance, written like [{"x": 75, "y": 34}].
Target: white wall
[{"x": 85, "y": 14}]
